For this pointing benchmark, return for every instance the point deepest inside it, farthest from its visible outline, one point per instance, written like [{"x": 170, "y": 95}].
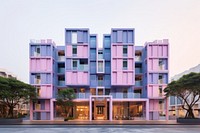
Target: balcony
[
  {"x": 61, "y": 83},
  {"x": 138, "y": 83},
  {"x": 61, "y": 58},
  {"x": 61, "y": 70}
]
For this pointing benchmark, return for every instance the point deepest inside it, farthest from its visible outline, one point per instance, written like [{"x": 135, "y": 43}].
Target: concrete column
[
  {"x": 90, "y": 106},
  {"x": 111, "y": 108},
  {"x": 51, "y": 109},
  {"x": 31, "y": 110},
  {"x": 147, "y": 109},
  {"x": 167, "y": 110},
  {"x": 176, "y": 109}
]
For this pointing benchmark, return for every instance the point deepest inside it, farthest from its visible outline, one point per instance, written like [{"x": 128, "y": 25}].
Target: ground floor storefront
[{"x": 98, "y": 108}]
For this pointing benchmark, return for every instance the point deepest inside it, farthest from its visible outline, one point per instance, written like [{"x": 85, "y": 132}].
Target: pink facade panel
[
  {"x": 82, "y": 51},
  {"x": 130, "y": 64},
  {"x": 47, "y": 104},
  {"x": 69, "y": 78},
  {"x": 122, "y": 78},
  {"x": 119, "y": 51},
  {"x": 153, "y": 105},
  {"x": 38, "y": 65},
  {"x": 153, "y": 91},
  {"x": 114, "y": 64},
  {"x": 68, "y": 52},
  {"x": 46, "y": 92},
  {"x": 125, "y": 78},
  {"x": 165, "y": 51},
  {"x": 131, "y": 51},
  {"x": 114, "y": 78},
  {"x": 158, "y": 51},
  {"x": 114, "y": 51},
  {"x": 77, "y": 78},
  {"x": 119, "y": 77}
]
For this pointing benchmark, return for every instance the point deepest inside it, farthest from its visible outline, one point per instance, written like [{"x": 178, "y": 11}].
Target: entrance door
[{"x": 100, "y": 114}]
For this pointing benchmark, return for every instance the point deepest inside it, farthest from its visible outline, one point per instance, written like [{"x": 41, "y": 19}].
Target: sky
[{"x": 22, "y": 20}]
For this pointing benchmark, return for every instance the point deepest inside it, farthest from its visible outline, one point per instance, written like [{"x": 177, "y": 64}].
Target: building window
[
  {"x": 160, "y": 63},
  {"x": 38, "y": 91},
  {"x": 83, "y": 66},
  {"x": 38, "y": 79},
  {"x": 125, "y": 51},
  {"x": 107, "y": 91},
  {"x": 125, "y": 64},
  {"x": 160, "y": 79},
  {"x": 75, "y": 64},
  {"x": 37, "y": 51},
  {"x": 82, "y": 90},
  {"x": 100, "y": 54},
  {"x": 100, "y": 109},
  {"x": 74, "y": 50},
  {"x": 160, "y": 90},
  {"x": 100, "y": 80},
  {"x": 100, "y": 66},
  {"x": 100, "y": 91},
  {"x": 74, "y": 37}
]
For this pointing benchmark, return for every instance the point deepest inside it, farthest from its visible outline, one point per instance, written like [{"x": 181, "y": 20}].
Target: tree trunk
[
  {"x": 189, "y": 113},
  {"x": 10, "y": 112}
]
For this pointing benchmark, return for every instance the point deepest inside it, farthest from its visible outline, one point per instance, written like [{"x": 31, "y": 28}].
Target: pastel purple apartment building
[{"x": 119, "y": 81}]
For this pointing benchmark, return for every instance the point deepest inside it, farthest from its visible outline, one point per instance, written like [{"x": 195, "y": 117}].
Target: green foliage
[
  {"x": 13, "y": 92},
  {"x": 184, "y": 88},
  {"x": 65, "y": 100}
]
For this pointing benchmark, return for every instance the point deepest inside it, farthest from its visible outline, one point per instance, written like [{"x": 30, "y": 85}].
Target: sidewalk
[{"x": 101, "y": 122}]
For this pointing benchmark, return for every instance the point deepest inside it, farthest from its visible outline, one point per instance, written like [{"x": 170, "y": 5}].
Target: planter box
[
  {"x": 188, "y": 121},
  {"x": 10, "y": 121}
]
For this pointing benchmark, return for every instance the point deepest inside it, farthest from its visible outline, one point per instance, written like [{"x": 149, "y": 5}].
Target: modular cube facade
[{"x": 119, "y": 81}]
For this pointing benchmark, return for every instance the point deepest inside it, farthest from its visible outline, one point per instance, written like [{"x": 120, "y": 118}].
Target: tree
[
  {"x": 65, "y": 100},
  {"x": 187, "y": 88},
  {"x": 13, "y": 92}
]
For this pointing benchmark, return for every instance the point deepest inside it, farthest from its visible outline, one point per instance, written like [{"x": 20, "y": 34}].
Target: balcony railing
[
  {"x": 61, "y": 58},
  {"x": 100, "y": 56},
  {"x": 137, "y": 95},
  {"x": 138, "y": 70},
  {"x": 138, "y": 83},
  {"x": 37, "y": 81},
  {"x": 61, "y": 83},
  {"x": 36, "y": 54},
  {"x": 100, "y": 82},
  {"x": 82, "y": 95},
  {"x": 61, "y": 70},
  {"x": 138, "y": 58},
  {"x": 81, "y": 68},
  {"x": 160, "y": 81},
  {"x": 100, "y": 69}
]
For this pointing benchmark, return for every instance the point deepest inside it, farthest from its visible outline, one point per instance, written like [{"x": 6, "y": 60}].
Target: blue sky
[{"x": 22, "y": 20}]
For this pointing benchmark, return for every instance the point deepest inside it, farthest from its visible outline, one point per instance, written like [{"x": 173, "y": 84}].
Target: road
[{"x": 100, "y": 128}]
